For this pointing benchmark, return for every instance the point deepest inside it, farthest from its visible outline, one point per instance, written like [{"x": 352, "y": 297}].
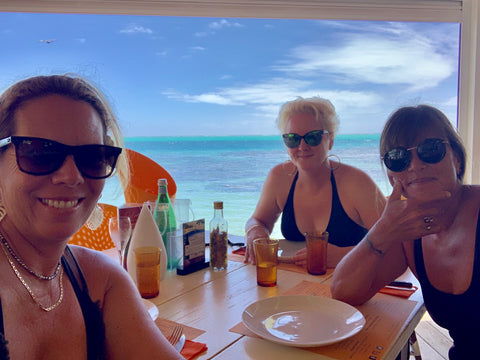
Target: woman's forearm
[{"x": 366, "y": 269}]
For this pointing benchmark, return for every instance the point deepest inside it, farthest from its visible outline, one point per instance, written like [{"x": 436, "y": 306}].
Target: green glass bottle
[{"x": 164, "y": 215}]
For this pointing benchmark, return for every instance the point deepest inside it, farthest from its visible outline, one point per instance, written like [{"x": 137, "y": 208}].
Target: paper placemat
[{"x": 384, "y": 315}]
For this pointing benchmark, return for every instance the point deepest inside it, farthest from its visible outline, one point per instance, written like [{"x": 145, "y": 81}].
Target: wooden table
[{"x": 214, "y": 301}]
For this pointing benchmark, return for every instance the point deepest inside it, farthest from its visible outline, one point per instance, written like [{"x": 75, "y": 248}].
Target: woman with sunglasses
[
  {"x": 58, "y": 142},
  {"x": 312, "y": 191},
  {"x": 431, "y": 224}
]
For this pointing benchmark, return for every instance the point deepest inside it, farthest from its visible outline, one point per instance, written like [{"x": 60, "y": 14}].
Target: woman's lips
[{"x": 421, "y": 181}]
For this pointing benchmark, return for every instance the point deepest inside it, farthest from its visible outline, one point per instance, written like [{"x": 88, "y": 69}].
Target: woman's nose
[
  {"x": 68, "y": 173},
  {"x": 303, "y": 145},
  {"x": 416, "y": 162}
]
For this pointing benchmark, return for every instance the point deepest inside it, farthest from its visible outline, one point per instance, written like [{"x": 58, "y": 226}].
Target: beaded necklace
[
  {"x": 22, "y": 264},
  {"x": 30, "y": 291}
]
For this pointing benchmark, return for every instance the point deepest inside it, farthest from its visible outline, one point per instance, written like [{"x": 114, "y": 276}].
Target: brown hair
[{"x": 405, "y": 124}]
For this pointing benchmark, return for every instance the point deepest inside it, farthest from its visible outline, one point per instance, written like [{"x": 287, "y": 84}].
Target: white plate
[
  {"x": 303, "y": 320},
  {"x": 151, "y": 308}
]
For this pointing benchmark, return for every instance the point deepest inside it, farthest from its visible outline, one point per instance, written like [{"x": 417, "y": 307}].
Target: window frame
[{"x": 465, "y": 12}]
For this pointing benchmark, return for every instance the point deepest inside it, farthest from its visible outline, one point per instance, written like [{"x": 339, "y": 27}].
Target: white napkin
[{"x": 146, "y": 233}]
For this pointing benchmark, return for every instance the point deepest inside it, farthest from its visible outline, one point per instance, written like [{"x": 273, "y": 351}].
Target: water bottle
[
  {"x": 164, "y": 215},
  {"x": 218, "y": 238}
]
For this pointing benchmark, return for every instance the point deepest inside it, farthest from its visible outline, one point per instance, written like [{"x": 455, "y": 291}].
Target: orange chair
[
  {"x": 143, "y": 182},
  {"x": 98, "y": 239}
]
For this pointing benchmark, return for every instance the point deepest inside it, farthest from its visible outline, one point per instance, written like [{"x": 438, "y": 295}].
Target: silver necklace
[
  {"x": 22, "y": 264},
  {"x": 34, "y": 297}
]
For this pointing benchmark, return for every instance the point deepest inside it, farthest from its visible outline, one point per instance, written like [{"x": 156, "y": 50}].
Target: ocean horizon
[{"x": 233, "y": 169}]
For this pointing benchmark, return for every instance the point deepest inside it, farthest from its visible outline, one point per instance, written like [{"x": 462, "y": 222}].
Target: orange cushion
[{"x": 98, "y": 239}]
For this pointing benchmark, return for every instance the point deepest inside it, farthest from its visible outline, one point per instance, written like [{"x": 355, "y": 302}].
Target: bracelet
[
  {"x": 374, "y": 249},
  {"x": 255, "y": 226}
]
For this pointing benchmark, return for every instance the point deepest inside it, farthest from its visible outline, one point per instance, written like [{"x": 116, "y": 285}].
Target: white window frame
[{"x": 465, "y": 12}]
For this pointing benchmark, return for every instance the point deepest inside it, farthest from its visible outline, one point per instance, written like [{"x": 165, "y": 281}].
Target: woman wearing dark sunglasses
[
  {"x": 431, "y": 224},
  {"x": 313, "y": 191},
  {"x": 58, "y": 142}
]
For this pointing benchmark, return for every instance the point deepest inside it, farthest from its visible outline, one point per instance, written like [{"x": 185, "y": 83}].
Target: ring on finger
[
  {"x": 428, "y": 219},
  {"x": 428, "y": 227}
]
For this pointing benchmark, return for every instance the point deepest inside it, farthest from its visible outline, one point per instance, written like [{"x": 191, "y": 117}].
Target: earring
[
  {"x": 339, "y": 162},
  {"x": 3, "y": 211},
  {"x": 95, "y": 219}
]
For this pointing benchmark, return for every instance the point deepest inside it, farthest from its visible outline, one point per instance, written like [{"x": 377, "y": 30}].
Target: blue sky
[{"x": 178, "y": 76}]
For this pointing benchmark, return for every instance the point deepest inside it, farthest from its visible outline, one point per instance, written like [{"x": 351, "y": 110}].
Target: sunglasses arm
[{"x": 5, "y": 142}]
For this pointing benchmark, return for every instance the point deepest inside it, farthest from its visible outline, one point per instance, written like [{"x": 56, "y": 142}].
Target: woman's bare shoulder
[
  {"x": 286, "y": 168},
  {"x": 282, "y": 173},
  {"x": 100, "y": 271},
  {"x": 351, "y": 174},
  {"x": 94, "y": 264},
  {"x": 472, "y": 193}
]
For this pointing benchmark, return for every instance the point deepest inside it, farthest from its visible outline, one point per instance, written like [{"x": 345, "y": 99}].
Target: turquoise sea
[{"x": 232, "y": 169}]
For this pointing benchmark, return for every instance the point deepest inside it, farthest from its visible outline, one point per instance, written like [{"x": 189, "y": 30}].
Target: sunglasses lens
[
  {"x": 291, "y": 140},
  {"x": 314, "y": 138},
  {"x": 38, "y": 157},
  {"x": 397, "y": 159},
  {"x": 96, "y": 161},
  {"x": 432, "y": 151}
]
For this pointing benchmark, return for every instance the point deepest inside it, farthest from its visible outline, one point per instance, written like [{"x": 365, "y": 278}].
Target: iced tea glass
[
  {"x": 317, "y": 242},
  {"x": 266, "y": 255},
  {"x": 147, "y": 260}
]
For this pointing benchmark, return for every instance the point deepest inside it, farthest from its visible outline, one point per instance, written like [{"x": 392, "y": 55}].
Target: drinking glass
[
  {"x": 266, "y": 254},
  {"x": 120, "y": 229},
  {"x": 317, "y": 242}
]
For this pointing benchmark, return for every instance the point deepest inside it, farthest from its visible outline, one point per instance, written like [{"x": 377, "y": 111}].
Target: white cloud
[
  {"x": 136, "y": 29},
  {"x": 197, "y": 48},
  {"x": 451, "y": 102},
  {"x": 366, "y": 71},
  {"x": 266, "y": 98},
  {"x": 399, "y": 56},
  {"x": 216, "y": 25}
]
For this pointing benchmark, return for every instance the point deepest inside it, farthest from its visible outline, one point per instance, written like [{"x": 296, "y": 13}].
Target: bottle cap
[
  {"x": 218, "y": 204},
  {"x": 162, "y": 182}
]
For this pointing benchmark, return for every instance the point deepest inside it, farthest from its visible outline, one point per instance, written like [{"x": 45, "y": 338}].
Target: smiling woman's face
[
  {"x": 305, "y": 156},
  {"x": 56, "y": 205},
  {"x": 422, "y": 180}
]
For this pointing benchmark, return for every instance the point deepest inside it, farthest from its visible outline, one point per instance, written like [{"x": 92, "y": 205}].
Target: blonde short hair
[{"x": 322, "y": 109}]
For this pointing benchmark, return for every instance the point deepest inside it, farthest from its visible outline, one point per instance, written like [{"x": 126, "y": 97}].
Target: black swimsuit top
[
  {"x": 92, "y": 314},
  {"x": 342, "y": 230},
  {"x": 460, "y": 314}
]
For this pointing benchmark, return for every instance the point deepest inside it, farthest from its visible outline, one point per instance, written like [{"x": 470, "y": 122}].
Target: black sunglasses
[
  {"x": 431, "y": 151},
  {"x": 37, "y": 156},
  {"x": 312, "y": 138}
]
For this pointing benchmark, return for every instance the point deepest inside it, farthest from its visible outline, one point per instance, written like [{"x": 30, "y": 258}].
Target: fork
[{"x": 175, "y": 335}]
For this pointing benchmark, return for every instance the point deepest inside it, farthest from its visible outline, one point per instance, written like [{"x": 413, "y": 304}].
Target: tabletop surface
[{"x": 213, "y": 301}]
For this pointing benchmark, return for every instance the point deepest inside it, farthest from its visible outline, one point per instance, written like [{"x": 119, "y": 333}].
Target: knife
[
  {"x": 401, "y": 284},
  {"x": 180, "y": 344}
]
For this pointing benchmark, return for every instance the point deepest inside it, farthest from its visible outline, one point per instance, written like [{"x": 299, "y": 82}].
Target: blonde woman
[{"x": 313, "y": 191}]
